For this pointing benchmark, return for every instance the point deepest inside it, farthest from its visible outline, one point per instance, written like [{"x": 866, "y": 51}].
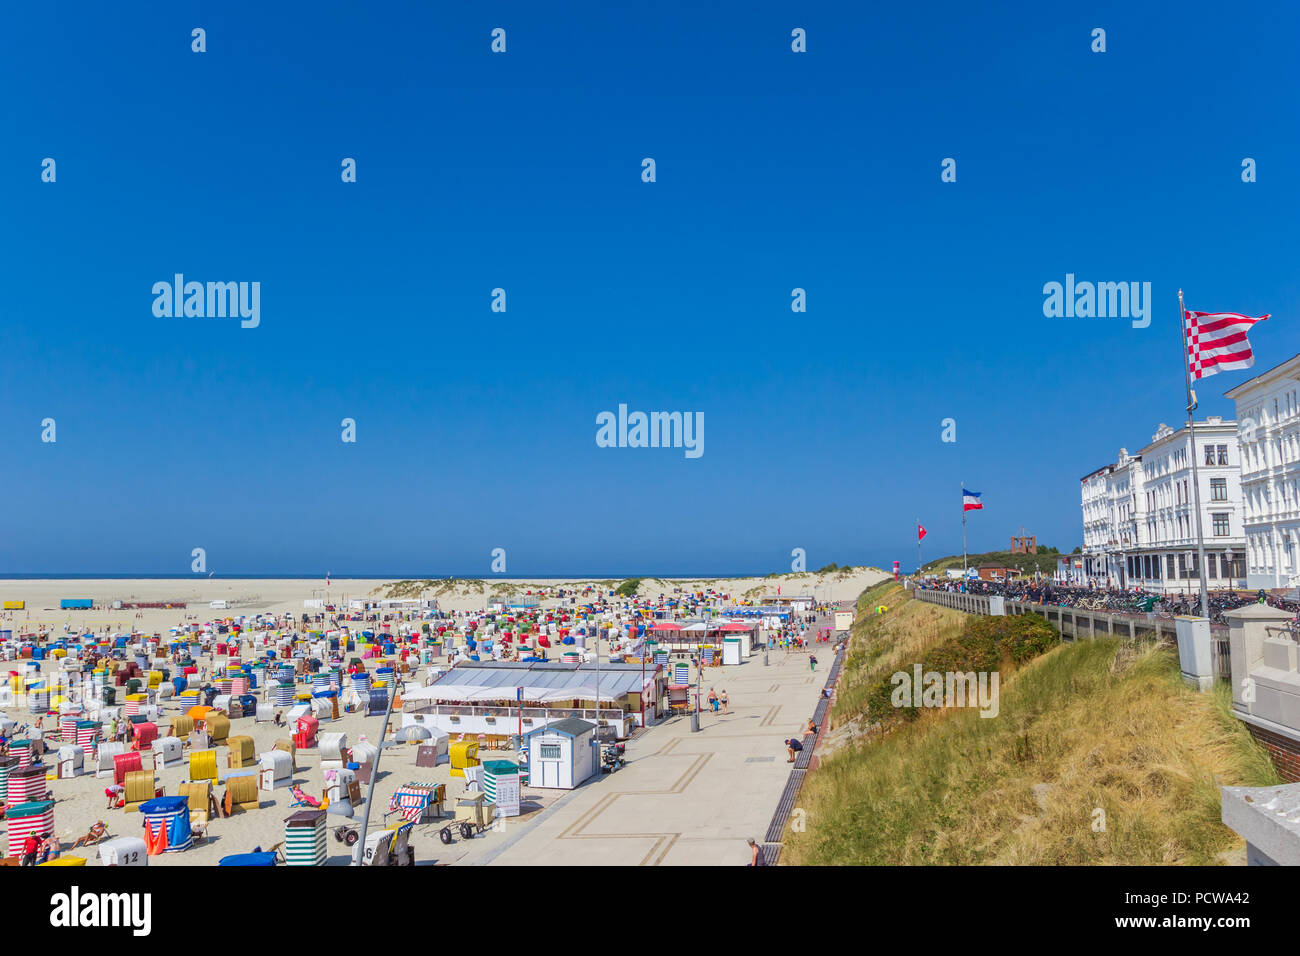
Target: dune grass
[
  {"x": 880, "y": 644},
  {"x": 1087, "y": 727}
]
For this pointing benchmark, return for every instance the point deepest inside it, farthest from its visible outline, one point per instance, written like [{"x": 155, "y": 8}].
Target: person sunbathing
[{"x": 98, "y": 831}]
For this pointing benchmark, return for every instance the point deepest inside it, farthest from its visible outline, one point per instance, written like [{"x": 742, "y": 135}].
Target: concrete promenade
[{"x": 686, "y": 798}]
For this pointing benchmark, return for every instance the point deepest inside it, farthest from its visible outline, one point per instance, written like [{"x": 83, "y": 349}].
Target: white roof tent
[{"x": 547, "y": 681}]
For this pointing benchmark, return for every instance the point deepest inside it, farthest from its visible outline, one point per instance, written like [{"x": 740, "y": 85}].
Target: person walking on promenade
[{"x": 812, "y": 662}]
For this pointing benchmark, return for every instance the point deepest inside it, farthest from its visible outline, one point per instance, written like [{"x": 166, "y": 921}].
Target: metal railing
[{"x": 1074, "y": 623}]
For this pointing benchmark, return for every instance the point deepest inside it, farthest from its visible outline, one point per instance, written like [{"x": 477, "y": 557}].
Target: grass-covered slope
[{"x": 1100, "y": 754}]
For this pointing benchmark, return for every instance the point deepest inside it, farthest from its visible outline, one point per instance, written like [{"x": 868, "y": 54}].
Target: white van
[{"x": 219, "y": 605}]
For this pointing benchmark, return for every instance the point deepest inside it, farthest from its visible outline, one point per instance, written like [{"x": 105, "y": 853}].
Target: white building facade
[
  {"x": 1139, "y": 514},
  {"x": 1268, "y": 410}
]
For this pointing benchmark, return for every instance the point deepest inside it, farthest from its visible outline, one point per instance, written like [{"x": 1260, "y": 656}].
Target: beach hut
[
  {"x": 241, "y": 792},
  {"x": 27, "y": 784},
  {"x": 289, "y": 747},
  {"x": 105, "y": 754},
  {"x": 87, "y": 735},
  {"x": 71, "y": 761},
  {"x": 218, "y": 727},
  {"x": 24, "y": 750},
  {"x": 501, "y": 784},
  {"x": 134, "y": 702},
  {"x": 305, "y": 735},
  {"x": 377, "y": 702},
  {"x": 281, "y": 692},
  {"x": 144, "y": 734},
  {"x": 276, "y": 768},
  {"x": 333, "y": 751},
  {"x": 172, "y": 815},
  {"x": 562, "y": 755},
  {"x": 304, "y": 838},
  {"x": 182, "y": 726},
  {"x": 7, "y": 765},
  {"x": 415, "y": 801},
  {"x": 123, "y": 851},
  {"x": 464, "y": 753},
  {"x": 364, "y": 751},
  {"x": 140, "y": 787},
  {"x": 125, "y": 763},
  {"x": 203, "y": 765},
  {"x": 241, "y": 752},
  {"x": 167, "y": 752},
  {"x": 342, "y": 790},
  {"x": 198, "y": 795},
  {"x": 23, "y": 818}
]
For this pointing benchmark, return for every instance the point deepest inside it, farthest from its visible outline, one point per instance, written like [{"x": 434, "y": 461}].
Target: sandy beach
[{"x": 80, "y": 801}]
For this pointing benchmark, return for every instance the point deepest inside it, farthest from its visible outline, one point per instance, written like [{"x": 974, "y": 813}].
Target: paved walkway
[{"x": 686, "y": 798}]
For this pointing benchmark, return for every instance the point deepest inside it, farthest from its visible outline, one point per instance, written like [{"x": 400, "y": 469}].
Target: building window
[
  {"x": 1172, "y": 572},
  {"x": 1209, "y": 454},
  {"x": 1218, "y": 489},
  {"x": 548, "y": 752},
  {"x": 1221, "y": 529},
  {"x": 1223, "y": 454},
  {"x": 1211, "y": 566}
]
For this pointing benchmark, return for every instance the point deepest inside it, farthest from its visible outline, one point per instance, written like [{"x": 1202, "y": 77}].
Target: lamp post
[
  {"x": 374, "y": 774},
  {"x": 699, "y": 670}
]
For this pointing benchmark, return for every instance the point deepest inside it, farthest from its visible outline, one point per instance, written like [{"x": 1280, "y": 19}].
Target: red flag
[
  {"x": 1216, "y": 342},
  {"x": 920, "y": 532}
]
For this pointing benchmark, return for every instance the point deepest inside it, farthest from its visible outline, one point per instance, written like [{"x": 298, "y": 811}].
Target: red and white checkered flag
[{"x": 1216, "y": 342}]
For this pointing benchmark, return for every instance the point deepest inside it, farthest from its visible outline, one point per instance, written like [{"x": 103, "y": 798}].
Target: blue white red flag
[{"x": 970, "y": 500}]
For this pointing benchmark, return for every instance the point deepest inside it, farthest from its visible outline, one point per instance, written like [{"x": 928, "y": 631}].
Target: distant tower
[{"x": 1024, "y": 543}]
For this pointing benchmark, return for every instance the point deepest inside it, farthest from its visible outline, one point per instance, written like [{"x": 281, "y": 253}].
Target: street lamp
[
  {"x": 699, "y": 672},
  {"x": 374, "y": 773}
]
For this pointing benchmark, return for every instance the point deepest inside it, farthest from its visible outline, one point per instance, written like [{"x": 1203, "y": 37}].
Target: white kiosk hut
[{"x": 561, "y": 756}]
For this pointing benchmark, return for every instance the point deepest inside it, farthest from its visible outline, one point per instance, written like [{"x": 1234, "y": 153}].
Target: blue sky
[{"x": 776, "y": 170}]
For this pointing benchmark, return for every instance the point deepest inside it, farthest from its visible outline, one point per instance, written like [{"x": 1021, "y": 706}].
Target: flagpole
[
  {"x": 918, "y": 547},
  {"x": 1191, "y": 440},
  {"x": 963, "y": 531}
]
